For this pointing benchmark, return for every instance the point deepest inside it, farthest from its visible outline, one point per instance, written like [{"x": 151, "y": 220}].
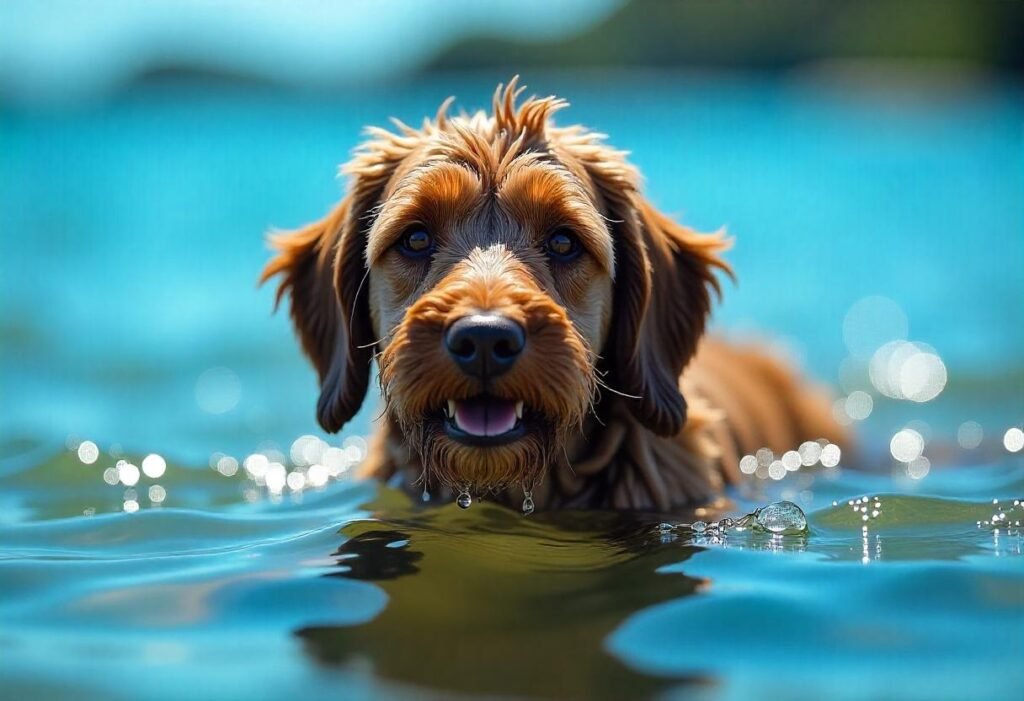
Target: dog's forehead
[{"x": 475, "y": 191}]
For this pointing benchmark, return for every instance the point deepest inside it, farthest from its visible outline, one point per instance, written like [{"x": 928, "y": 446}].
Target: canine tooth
[
  {"x": 451, "y": 408},
  {"x": 519, "y": 409}
]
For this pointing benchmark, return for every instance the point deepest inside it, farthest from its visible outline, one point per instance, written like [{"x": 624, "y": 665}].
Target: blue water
[{"x": 130, "y": 241}]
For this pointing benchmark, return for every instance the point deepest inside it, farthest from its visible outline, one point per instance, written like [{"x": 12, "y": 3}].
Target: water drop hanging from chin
[
  {"x": 465, "y": 500},
  {"x": 527, "y": 502},
  {"x": 426, "y": 495}
]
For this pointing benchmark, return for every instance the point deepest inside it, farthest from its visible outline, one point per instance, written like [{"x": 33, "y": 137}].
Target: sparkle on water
[
  {"x": 1013, "y": 440},
  {"x": 764, "y": 464},
  {"x": 906, "y": 445}
]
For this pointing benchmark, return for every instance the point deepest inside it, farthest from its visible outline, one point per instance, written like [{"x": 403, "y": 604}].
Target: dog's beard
[
  {"x": 522, "y": 462},
  {"x": 448, "y": 463},
  {"x": 556, "y": 385}
]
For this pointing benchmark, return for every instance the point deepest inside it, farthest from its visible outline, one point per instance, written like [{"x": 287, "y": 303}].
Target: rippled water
[
  {"x": 352, "y": 591},
  {"x": 130, "y": 318}
]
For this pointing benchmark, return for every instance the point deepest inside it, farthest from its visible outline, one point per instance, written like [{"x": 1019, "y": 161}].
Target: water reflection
[{"x": 485, "y": 601}]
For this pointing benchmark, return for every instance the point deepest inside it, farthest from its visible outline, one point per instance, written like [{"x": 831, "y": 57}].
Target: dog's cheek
[
  {"x": 391, "y": 292},
  {"x": 592, "y": 318},
  {"x": 586, "y": 293}
]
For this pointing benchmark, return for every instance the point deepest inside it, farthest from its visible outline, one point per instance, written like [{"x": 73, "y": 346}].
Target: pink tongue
[{"x": 485, "y": 417}]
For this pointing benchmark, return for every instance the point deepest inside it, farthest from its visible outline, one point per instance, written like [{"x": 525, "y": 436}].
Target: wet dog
[{"x": 531, "y": 315}]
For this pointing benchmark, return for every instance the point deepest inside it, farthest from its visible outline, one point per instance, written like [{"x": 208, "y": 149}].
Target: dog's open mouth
[{"x": 484, "y": 420}]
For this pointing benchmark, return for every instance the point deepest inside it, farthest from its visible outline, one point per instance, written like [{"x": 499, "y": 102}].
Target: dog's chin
[{"x": 485, "y": 443}]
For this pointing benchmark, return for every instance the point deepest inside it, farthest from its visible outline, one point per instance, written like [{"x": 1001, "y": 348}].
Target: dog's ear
[
  {"x": 664, "y": 275},
  {"x": 322, "y": 266}
]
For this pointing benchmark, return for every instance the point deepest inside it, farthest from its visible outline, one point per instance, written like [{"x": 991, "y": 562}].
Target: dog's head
[{"x": 503, "y": 272}]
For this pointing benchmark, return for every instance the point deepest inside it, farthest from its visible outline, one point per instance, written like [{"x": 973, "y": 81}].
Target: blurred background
[{"x": 867, "y": 156}]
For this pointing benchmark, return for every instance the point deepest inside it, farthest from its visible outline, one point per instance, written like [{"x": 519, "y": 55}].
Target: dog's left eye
[
  {"x": 562, "y": 245},
  {"x": 416, "y": 242}
]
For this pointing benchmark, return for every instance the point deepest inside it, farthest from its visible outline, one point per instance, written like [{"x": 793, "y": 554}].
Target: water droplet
[
  {"x": 698, "y": 526},
  {"x": 426, "y": 495},
  {"x": 783, "y": 517},
  {"x": 527, "y": 502},
  {"x": 464, "y": 501},
  {"x": 664, "y": 526}
]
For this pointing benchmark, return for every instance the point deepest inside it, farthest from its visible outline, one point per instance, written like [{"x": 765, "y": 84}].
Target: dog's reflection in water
[{"x": 485, "y": 601}]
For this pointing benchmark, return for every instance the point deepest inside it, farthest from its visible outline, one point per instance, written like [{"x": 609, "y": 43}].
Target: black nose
[{"x": 484, "y": 345}]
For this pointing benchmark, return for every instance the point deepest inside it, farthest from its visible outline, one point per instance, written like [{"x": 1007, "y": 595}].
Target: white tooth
[
  {"x": 519, "y": 409},
  {"x": 451, "y": 408}
]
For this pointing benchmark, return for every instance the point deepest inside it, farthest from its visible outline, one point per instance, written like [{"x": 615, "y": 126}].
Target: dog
[{"x": 531, "y": 315}]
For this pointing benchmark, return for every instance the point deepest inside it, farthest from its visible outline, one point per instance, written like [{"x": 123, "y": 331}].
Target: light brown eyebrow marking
[
  {"x": 544, "y": 196},
  {"x": 435, "y": 194}
]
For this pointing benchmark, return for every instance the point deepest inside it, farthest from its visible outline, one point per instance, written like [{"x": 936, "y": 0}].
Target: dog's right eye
[{"x": 416, "y": 242}]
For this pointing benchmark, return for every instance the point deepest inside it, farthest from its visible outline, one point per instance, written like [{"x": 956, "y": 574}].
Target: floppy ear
[
  {"x": 664, "y": 278},
  {"x": 322, "y": 267},
  {"x": 664, "y": 274}
]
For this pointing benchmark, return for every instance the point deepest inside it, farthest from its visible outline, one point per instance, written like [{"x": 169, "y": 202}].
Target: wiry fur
[
  {"x": 416, "y": 378},
  {"x": 608, "y": 338}
]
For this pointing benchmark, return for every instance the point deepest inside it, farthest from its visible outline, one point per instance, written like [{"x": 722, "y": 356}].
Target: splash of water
[{"x": 777, "y": 518}]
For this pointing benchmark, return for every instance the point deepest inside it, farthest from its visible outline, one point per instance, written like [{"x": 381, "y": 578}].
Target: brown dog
[{"x": 531, "y": 314}]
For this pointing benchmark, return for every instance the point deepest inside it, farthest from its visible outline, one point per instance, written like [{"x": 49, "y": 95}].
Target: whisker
[
  {"x": 355, "y": 299},
  {"x": 568, "y": 462},
  {"x": 615, "y": 391},
  {"x": 373, "y": 343}
]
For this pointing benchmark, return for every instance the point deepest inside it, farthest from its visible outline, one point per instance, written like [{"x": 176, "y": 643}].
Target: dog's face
[
  {"x": 491, "y": 290},
  {"x": 500, "y": 270}
]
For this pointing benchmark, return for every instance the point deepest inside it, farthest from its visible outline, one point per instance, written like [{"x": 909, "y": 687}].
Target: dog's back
[{"x": 762, "y": 400}]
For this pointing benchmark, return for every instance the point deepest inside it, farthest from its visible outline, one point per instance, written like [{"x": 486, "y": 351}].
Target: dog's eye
[
  {"x": 562, "y": 245},
  {"x": 416, "y": 242}
]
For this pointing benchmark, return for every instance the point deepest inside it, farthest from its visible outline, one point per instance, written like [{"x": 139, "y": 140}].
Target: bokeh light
[
  {"x": 1013, "y": 440},
  {"x": 810, "y": 452},
  {"x": 859, "y": 405},
  {"x": 969, "y": 435},
  {"x": 88, "y": 452},
  {"x": 906, "y": 370},
  {"x": 907, "y": 445},
  {"x": 127, "y": 473},
  {"x": 871, "y": 322},
  {"x": 218, "y": 390},
  {"x": 227, "y": 466},
  {"x": 830, "y": 455},
  {"x": 919, "y": 467},
  {"x": 154, "y": 466}
]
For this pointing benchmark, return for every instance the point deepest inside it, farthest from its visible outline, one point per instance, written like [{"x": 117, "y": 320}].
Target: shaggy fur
[{"x": 613, "y": 421}]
